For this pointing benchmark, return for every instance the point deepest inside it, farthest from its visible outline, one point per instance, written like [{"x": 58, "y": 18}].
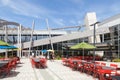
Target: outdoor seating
[
  {"x": 97, "y": 69},
  {"x": 68, "y": 62},
  {"x": 7, "y": 65},
  {"x": 32, "y": 62},
  {"x": 18, "y": 59},
  {"x": 64, "y": 61},
  {"x": 35, "y": 63},
  {"x": 114, "y": 65},
  {"x": 74, "y": 64},
  {"x": 43, "y": 63},
  {"x": 39, "y": 62},
  {"x": 90, "y": 69},
  {"x": 96, "y": 62},
  {"x": 80, "y": 66},
  {"x": 103, "y": 64},
  {"x": 6, "y": 69},
  {"x": 106, "y": 72},
  {"x": 85, "y": 67}
]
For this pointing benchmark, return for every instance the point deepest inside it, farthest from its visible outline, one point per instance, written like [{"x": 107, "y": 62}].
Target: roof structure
[{"x": 102, "y": 29}]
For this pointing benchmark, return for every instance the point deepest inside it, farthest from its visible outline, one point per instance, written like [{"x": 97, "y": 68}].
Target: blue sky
[{"x": 59, "y": 13}]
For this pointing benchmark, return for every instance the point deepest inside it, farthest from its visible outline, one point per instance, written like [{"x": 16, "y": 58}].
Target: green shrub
[
  {"x": 116, "y": 60},
  {"x": 58, "y": 58},
  {"x": 1, "y": 56}
]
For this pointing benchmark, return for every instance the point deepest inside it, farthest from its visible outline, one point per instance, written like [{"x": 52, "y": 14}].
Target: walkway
[
  {"x": 61, "y": 72},
  {"x": 55, "y": 71},
  {"x": 24, "y": 71}
]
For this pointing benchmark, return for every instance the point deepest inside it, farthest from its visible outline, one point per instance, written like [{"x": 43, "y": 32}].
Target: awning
[{"x": 8, "y": 47}]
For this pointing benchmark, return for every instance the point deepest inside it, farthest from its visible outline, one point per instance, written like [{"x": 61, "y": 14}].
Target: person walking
[{"x": 51, "y": 56}]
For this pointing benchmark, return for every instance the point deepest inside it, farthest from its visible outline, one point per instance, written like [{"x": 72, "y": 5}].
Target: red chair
[
  {"x": 18, "y": 59},
  {"x": 96, "y": 70},
  {"x": 6, "y": 69},
  {"x": 106, "y": 72},
  {"x": 68, "y": 62},
  {"x": 90, "y": 68},
  {"x": 114, "y": 65},
  {"x": 43, "y": 63},
  {"x": 32, "y": 62},
  {"x": 85, "y": 67},
  {"x": 13, "y": 65},
  {"x": 117, "y": 72},
  {"x": 80, "y": 66},
  {"x": 96, "y": 62},
  {"x": 63, "y": 61},
  {"x": 74, "y": 64},
  {"x": 71, "y": 64},
  {"x": 103, "y": 64}
]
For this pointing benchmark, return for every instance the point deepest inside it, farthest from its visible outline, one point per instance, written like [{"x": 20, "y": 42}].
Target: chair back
[
  {"x": 96, "y": 62},
  {"x": 114, "y": 65},
  {"x": 103, "y": 64}
]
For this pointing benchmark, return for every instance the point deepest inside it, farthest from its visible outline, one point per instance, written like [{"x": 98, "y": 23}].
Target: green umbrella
[
  {"x": 2, "y": 43},
  {"x": 83, "y": 46}
]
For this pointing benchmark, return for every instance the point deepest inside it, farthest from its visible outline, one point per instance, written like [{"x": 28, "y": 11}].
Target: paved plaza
[{"x": 55, "y": 71}]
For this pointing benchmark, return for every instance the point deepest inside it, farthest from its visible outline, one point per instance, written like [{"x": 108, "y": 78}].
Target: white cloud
[
  {"x": 31, "y": 10},
  {"x": 5, "y": 2},
  {"x": 26, "y": 8},
  {"x": 60, "y": 22}
]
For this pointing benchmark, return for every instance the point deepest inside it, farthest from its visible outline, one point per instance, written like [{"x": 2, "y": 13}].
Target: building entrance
[{"x": 25, "y": 54}]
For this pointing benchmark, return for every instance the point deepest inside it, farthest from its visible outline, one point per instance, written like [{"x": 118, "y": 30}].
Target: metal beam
[{"x": 67, "y": 27}]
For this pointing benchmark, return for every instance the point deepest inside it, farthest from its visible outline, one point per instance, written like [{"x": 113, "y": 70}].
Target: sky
[{"x": 59, "y": 13}]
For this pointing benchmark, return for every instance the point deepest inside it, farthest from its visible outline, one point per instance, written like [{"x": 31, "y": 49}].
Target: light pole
[
  {"x": 110, "y": 48},
  {"x": 94, "y": 33}
]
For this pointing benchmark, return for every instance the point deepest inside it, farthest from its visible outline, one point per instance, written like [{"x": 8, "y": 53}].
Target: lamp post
[
  {"x": 110, "y": 47},
  {"x": 94, "y": 33}
]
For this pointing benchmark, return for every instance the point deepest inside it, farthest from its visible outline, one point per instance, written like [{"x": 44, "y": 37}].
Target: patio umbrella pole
[
  {"x": 83, "y": 53},
  {"x": 12, "y": 53}
]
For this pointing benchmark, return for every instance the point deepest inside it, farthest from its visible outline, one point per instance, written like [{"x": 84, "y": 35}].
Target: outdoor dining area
[
  {"x": 96, "y": 69},
  {"x": 91, "y": 65},
  {"x": 41, "y": 60},
  {"x": 38, "y": 62},
  {"x": 7, "y": 65}
]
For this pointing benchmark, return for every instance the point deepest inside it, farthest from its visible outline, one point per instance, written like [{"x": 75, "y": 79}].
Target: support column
[
  {"x": 102, "y": 37},
  {"x": 118, "y": 42},
  {"x": 31, "y": 42},
  {"x": 6, "y": 36},
  {"x": 49, "y": 34},
  {"x": 18, "y": 44}
]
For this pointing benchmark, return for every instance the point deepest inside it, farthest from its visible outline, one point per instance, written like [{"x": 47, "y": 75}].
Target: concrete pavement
[{"x": 55, "y": 71}]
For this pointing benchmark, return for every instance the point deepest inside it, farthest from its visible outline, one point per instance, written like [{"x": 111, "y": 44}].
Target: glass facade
[
  {"x": 115, "y": 38},
  {"x": 112, "y": 38}
]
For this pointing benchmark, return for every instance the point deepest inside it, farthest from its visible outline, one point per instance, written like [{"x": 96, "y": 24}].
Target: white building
[{"x": 106, "y": 36}]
